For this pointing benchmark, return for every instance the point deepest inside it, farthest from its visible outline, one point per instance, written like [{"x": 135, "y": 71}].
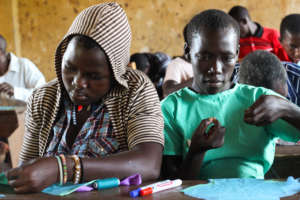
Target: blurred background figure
[
  {"x": 18, "y": 76},
  {"x": 154, "y": 65},
  {"x": 253, "y": 36}
]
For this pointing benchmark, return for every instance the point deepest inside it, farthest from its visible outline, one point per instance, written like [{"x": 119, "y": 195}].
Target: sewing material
[
  {"x": 106, "y": 183},
  {"x": 243, "y": 188},
  {"x": 160, "y": 187},
  {"x": 135, "y": 179},
  {"x": 136, "y": 192}
]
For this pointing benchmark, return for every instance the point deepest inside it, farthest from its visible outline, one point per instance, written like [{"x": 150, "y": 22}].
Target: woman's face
[{"x": 86, "y": 73}]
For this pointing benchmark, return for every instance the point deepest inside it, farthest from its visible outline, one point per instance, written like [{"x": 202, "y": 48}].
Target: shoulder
[
  {"x": 137, "y": 80},
  {"x": 176, "y": 99},
  {"x": 47, "y": 92},
  {"x": 271, "y": 32},
  {"x": 252, "y": 92}
]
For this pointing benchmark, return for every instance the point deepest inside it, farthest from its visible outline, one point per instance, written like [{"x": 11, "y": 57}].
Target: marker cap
[
  {"x": 135, "y": 193},
  {"x": 146, "y": 191}
]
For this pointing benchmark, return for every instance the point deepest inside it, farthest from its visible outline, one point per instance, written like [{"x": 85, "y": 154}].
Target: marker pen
[
  {"x": 160, "y": 187},
  {"x": 136, "y": 192}
]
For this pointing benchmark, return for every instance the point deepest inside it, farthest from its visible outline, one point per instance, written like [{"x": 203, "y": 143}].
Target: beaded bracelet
[
  {"x": 81, "y": 171},
  {"x": 60, "y": 168},
  {"x": 77, "y": 169},
  {"x": 65, "y": 172}
]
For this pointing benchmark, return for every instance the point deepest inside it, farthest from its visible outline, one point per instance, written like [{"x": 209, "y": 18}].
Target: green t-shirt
[{"x": 248, "y": 150}]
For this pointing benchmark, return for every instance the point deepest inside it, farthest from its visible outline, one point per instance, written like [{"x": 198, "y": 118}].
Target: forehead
[
  {"x": 291, "y": 37},
  {"x": 78, "y": 55},
  {"x": 225, "y": 40}
]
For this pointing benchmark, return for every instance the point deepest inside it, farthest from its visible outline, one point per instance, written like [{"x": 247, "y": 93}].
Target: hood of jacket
[{"x": 107, "y": 24}]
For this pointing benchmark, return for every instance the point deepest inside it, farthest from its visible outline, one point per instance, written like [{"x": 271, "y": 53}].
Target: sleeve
[
  {"x": 173, "y": 139},
  {"x": 172, "y": 72},
  {"x": 145, "y": 121},
  {"x": 33, "y": 79},
  {"x": 30, "y": 146},
  {"x": 282, "y": 129}
]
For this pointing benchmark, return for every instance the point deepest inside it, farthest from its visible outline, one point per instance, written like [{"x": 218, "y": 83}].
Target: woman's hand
[
  {"x": 213, "y": 138},
  {"x": 33, "y": 176}
]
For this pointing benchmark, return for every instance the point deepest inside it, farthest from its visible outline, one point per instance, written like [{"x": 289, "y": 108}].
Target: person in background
[
  {"x": 141, "y": 62},
  {"x": 290, "y": 38},
  {"x": 217, "y": 129},
  {"x": 263, "y": 69},
  {"x": 154, "y": 66},
  {"x": 179, "y": 73},
  {"x": 18, "y": 76},
  {"x": 99, "y": 118},
  {"x": 290, "y": 52},
  {"x": 252, "y": 35}
]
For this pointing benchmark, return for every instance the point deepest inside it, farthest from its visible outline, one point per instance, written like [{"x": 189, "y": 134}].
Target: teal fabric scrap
[
  {"x": 246, "y": 189},
  {"x": 4, "y": 187},
  {"x": 62, "y": 190},
  {"x": 3, "y": 179}
]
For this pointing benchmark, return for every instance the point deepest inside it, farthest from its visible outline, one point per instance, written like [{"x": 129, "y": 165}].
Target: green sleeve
[
  {"x": 173, "y": 138},
  {"x": 284, "y": 131}
]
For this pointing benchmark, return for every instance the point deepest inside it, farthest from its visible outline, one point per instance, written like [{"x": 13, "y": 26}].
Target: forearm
[
  {"x": 191, "y": 166},
  {"x": 292, "y": 115},
  {"x": 145, "y": 161}
]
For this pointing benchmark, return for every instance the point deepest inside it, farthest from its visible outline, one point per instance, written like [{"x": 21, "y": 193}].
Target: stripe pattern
[
  {"x": 133, "y": 104},
  {"x": 293, "y": 72}
]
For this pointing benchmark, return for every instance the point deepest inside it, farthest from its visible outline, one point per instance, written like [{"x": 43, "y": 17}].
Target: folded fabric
[
  {"x": 246, "y": 189},
  {"x": 4, "y": 187},
  {"x": 135, "y": 179},
  {"x": 62, "y": 190}
]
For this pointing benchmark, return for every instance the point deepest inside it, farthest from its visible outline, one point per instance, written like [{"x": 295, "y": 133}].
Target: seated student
[
  {"x": 263, "y": 69},
  {"x": 179, "y": 73},
  {"x": 252, "y": 35},
  {"x": 290, "y": 52},
  {"x": 102, "y": 113},
  {"x": 290, "y": 38},
  {"x": 18, "y": 76},
  {"x": 245, "y": 120}
]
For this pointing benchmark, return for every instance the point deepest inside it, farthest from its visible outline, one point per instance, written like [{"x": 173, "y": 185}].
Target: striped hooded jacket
[{"x": 133, "y": 104}]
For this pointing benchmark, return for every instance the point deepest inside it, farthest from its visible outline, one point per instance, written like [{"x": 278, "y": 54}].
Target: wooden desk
[
  {"x": 121, "y": 193},
  {"x": 287, "y": 150}
]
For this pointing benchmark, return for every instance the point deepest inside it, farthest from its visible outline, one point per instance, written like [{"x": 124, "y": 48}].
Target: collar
[
  {"x": 259, "y": 31},
  {"x": 13, "y": 64}
]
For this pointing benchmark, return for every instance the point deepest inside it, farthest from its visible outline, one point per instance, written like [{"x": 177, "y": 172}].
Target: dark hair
[
  {"x": 2, "y": 43},
  {"x": 141, "y": 60},
  {"x": 262, "y": 68},
  {"x": 238, "y": 12},
  {"x": 211, "y": 20},
  {"x": 185, "y": 33},
  {"x": 291, "y": 24}
]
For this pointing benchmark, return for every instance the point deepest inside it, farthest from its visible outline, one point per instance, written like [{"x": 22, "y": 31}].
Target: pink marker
[{"x": 160, "y": 187}]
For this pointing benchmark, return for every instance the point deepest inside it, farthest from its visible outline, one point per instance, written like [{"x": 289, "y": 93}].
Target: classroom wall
[{"x": 33, "y": 28}]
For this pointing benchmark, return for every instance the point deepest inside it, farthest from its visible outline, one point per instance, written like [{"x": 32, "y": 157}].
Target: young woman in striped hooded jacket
[{"x": 98, "y": 118}]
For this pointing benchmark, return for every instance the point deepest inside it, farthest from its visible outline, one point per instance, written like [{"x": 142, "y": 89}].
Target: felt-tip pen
[
  {"x": 136, "y": 192},
  {"x": 160, "y": 187}
]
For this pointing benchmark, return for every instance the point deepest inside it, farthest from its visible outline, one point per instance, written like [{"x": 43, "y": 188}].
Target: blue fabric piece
[
  {"x": 246, "y": 189},
  {"x": 62, "y": 190}
]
